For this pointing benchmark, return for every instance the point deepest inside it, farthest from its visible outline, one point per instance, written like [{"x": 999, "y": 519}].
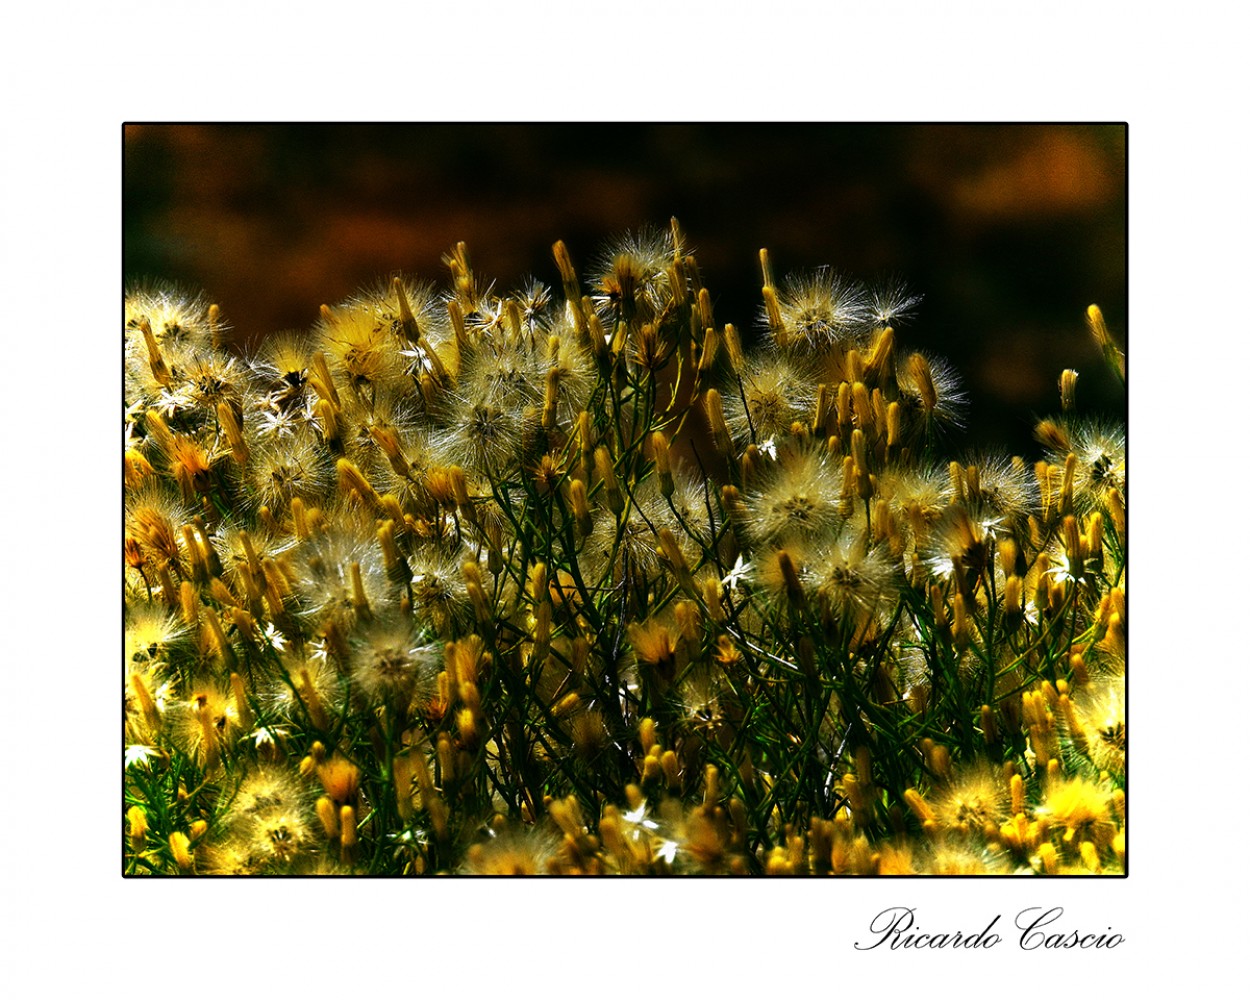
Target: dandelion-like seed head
[
  {"x": 917, "y": 497},
  {"x": 280, "y": 836},
  {"x": 206, "y": 721},
  {"x": 177, "y": 317},
  {"x": 1082, "y": 808},
  {"x": 191, "y": 464},
  {"x": 1099, "y": 446},
  {"x": 314, "y": 685},
  {"x": 265, "y": 545},
  {"x": 800, "y": 498},
  {"x": 632, "y": 555},
  {"x": 322, "y": 572},
  {"x": 655, "y": 646},
  {"x": 505, "y": 374},
  {"x": 282, "y": 469},
  {"x": 768, "y": 572},
  {"x": 153, "y": 633},
  {"x": 155, "y": 518},
  {"x": 210, "y": 378},
  {"x": 931, "y": 394},
  {"x": 1063, "y": 567},
  {"x": 910, "y": 670},
  {"x": 821, "y": 309},
  {"x": 269, "y": 819},
  {"x": 410, "y": 482},
  {"x": 777, "y": 391},
  {"x": 533, "y": 300},
  {"x": 439, "y": 593},
  {"x": 390, "y": 666},
  {"x": 959, "y": 547},
  {"x": 380, "y": 302},
  {"x": 513, "y": 851},
  {"x": 277, "y": 416},
  {"x": 702, "y": 693},
  {"x": 572, "y": 372},
  {"x": 268, "y": 788},
  {"x": 974, "y": 797},
  {"x": 631, "y": 279},
  {"x": 1000, "y": 492},
  {"x": 281, "y": 361},
  {"x": 482, "y": 436},
  {"x": 360, "y": 348},
  {"x": 548, "y": 473},
  {"x": 282, "y": 402},
  {"x": 161, "y": 389},
  {"x": 854, "y": 580},
  {"x": 485, "y": 322},
  {"x": 695, "y": 517},
  {"x": 589, "y": 733},
  {"x": 1100, "y": 713},
  {"x": 385, "y": 411}
]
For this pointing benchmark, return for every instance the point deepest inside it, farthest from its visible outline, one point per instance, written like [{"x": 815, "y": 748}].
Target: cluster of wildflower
[{"x": 564, "y": 582}]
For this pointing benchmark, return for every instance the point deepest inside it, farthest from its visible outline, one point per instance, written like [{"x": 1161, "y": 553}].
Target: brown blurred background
[{"x": 1009, "y": 232}]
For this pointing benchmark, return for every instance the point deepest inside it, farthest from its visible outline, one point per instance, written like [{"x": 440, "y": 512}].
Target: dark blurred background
[{"x": 1009, "y": 232}]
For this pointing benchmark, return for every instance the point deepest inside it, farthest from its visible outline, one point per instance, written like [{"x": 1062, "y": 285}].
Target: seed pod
[
  {"x": 659, "y": 446},
  {"x": 716, "y": 420},
  {"x": 179, "y": 847},
  {"x": 611, "y": 486},
  {"x": 1067, "y": 389},
  {"x": 733, "y": 347},
  {"x": 138, "y": 820},
  {"x": 581, "y": 507}
]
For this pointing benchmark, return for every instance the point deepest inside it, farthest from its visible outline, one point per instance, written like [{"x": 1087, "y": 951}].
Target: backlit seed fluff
[
  {"x": 821, "y": 309},
  {"x": 775, "y": 392},
  {"x": 797, "y": 499}
]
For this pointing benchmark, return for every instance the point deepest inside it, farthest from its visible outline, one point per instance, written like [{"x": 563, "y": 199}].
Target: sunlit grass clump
[{"x": 566, "y": 581}]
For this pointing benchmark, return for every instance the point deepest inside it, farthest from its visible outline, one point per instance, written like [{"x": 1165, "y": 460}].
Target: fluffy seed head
[
  {"x": 282, "y": 469},
  {"x": 206, "y": 722},
  {"x": 483, "y": 436},
  {"x": 176, "y": 316},
  {"x": 853, "y": 580},
  {"x": 1082, "y": 808},
  {"x": 210, "y": 378},
  {"x": 821, "y": 309},
  {"x": 1099, "y": 447},
  {"x": 958, "y": 548},
  {"x": 1100, "y": 714},
  {"x": 322, "y": 573},
  {"x": 972, "y": 798},
  {"x": 153, "y": 635},
  {"x": 390, "y": 667},
  {"x": 513, "y": 851},
  {"x": 386, "y": 412},
  {"x": 799, "y": 498},
  {"x": 155, "y": 520},
  {"x": 998, "y": 491},
  {"x": 932, "y": 398},
  {"x": 439, "y": 594},
  {"x": 779, "y": 391},
  {"x": 360, "y": 348},
  {"x": 632, "y": 279}
]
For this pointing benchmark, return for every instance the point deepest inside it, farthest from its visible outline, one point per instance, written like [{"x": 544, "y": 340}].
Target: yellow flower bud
[
  {"x": 180, "y": 848},
  {"x": 138, "y": 821}
]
